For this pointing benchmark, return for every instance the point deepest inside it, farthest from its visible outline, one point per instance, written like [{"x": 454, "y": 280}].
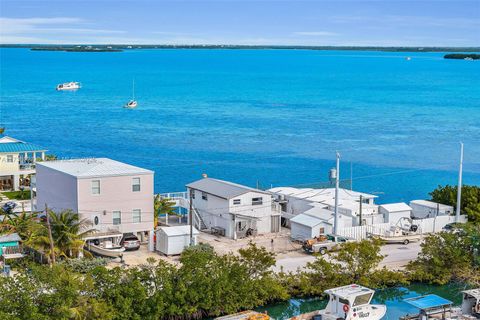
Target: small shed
[
  {"x": 10, "y": 246},
  {"x": 393, "y": 212},
  {"x": 173, "y": 240},
  {"x": 304, "y": 227}
]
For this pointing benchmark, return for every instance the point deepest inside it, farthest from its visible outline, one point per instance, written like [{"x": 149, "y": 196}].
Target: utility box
[{"x": 173, "y": 240}]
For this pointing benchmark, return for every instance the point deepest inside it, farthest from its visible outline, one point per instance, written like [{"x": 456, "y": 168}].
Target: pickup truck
[{"x": 323, "y": 244}]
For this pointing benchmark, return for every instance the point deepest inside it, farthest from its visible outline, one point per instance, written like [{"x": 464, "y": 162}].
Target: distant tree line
[{"x": 462, "y": 56}]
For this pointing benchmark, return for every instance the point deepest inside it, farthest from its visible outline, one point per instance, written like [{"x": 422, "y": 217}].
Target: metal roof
[
  {"x": 221, "y": 188},
  {"x": 178, "y": 231},
  {"x": 14, "y": 147},
  {"x": 395, "y": 207},
  {"x": 307, "y": 220},
  {"x": 321, "y": 195},
  {"x": 13, "y": 237},
  {"x": 428, "y": 302},
  {"x": 431, "y": 204},
  {"x": 474, "y": 293},
  {"x": 93, "y": 167}
]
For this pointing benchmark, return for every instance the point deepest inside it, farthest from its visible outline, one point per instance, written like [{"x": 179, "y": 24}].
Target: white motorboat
[
  {"x": 105, "y": 244},
  {"x": 348, "y": 303},
  {"x": 132, "y": 104},
  {"x": 68, "y": 86}
]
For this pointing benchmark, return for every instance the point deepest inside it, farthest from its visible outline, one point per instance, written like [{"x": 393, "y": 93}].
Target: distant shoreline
[{"x": 122, "y": 47}]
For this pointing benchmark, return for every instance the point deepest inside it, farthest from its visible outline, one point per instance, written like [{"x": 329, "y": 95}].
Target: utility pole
[
  {"x": 361, "y": 218},
  {"x": 190, "y": 216},
  {"x": 52, "y": 251},
  {"x": 337, "y": 182},
  {"x": 459, "y": 188}
]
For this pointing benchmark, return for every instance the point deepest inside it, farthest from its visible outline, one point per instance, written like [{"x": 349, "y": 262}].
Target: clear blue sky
[{"x": 294, "y": 22}]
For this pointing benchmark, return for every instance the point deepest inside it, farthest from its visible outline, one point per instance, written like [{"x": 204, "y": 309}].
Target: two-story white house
[
  {"x": 17, "y": 162},
  {"x": 235, "y": 209},
  {"x": 114, "y": 196}
]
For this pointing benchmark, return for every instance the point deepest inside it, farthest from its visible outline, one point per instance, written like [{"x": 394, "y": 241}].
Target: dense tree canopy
[{"x": 470, "y": 199}]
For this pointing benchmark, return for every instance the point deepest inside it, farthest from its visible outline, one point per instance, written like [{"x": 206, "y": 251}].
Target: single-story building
[
  {"x": 393, "y": 212},
  {"x": 311, "y": 223},
  {"x": 428, "y": 209},
  {"x": 173, "y": 240},
  {"x": 294, "y": 201}
]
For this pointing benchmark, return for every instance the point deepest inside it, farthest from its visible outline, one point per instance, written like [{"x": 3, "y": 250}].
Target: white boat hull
[
  {"x": 68, "y": 86},
  {"x": 111, "y": 252}
]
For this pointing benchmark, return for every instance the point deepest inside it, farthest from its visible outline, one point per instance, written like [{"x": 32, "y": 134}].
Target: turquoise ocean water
[{"x": 274, "y": 117}]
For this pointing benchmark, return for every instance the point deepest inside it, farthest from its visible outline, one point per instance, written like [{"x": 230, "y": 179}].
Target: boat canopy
[
  {"x": 429, "y": 302},
  {"x": 475, "y": 293}
]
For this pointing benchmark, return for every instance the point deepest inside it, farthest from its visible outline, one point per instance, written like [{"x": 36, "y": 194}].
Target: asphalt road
[{"x": 397, "y": 256}]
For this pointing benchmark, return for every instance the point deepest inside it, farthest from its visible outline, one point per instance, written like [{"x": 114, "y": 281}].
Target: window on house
[
  {"x": 204, "y": 196},
  {"x": 9, "y": 158},
  {"x": 236, "y": 201},
  {"x": 257, "y": 201},
  {"x": 95, "y": 186},
  {"x": 135, "y": 184},
  {"x": 117, "y": 217},
  {"x": 322, "y": 230},
  {"x": 192, "y": 192},
  {"x": 137, "y": 215}
]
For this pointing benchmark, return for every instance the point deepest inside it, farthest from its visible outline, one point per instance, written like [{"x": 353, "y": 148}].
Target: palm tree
[
  {"x": 68, "y": 232},
  {"x": 24, "y": 224},
  {"x": 163, "y": 206}
]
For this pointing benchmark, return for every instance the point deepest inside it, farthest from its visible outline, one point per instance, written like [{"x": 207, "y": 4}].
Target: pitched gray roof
[
  {"x": 222, "y": 189},
  {"x": 10, "y": 237}
]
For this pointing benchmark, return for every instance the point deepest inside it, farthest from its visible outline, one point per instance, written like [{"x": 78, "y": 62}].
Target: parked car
[
  {"x": 454, "y": 227},
  {"x": 130, "y": 242}
]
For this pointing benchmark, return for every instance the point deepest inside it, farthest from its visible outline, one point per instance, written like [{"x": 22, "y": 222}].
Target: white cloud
[
  {"x": 24, "y": 30},
  {"x": 315, "y": 33}
]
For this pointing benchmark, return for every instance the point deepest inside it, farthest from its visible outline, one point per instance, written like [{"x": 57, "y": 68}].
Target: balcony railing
[
  {"x": 27, "y": 166},
  {"x": 12, "y": 252}
]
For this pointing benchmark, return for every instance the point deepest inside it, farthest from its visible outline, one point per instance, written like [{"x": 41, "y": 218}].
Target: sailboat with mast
[{"x": 132, "y": 104}]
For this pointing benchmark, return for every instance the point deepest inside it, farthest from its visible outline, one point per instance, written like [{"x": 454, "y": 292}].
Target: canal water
[{"x": 392, "y": 298}]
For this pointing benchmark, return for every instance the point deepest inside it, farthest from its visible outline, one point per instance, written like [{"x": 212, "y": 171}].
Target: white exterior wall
[
  {"x": 55, "y": 189},
  {"x": 173, "y": 245},
  {"x": 262, "y": 212},
  {"x": 420, "y": 211},
  {"x": 395, "y": 216},
  {"x": 214, "y": 212},
  {"x": 302, "y": 232},
  {"x": 220, "y": 212}
]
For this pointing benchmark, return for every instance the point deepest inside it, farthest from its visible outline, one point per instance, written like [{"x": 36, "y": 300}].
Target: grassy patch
[{"x": 17, "y": 195}]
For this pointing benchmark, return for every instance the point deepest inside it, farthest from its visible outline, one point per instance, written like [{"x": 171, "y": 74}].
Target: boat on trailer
[
  {"x": 105, "y": 244},
  {"x": 350, "y": 302}
]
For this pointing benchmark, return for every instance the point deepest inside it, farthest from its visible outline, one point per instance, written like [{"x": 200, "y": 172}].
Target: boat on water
[
  {"x": 347, "y": 303},
  {"x": 432, "y": 307},
  {"x": 132, "y": 104},
  {"x": 106, "y": 245},
  {"x": 68, "y": 86},
  {"x": 408, "y": 58}
]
